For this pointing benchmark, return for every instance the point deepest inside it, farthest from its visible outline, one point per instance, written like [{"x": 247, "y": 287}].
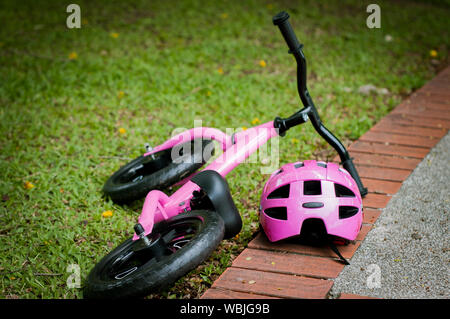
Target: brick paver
[
  {"x": 273, "y": 284},
  {"x": 388, "y": 149},
  {"x": 287, "y": 263},
  {"x": 385, "y": 156}
]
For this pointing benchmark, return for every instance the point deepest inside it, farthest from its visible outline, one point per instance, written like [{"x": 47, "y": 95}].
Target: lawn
[{"x": 76, "y": 104}]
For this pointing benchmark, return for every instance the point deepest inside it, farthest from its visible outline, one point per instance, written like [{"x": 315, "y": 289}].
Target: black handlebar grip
[{"x": 282, "y": 21}]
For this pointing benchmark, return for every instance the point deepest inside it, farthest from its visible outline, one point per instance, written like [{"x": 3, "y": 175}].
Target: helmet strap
[{"x": 336, "y": 251}]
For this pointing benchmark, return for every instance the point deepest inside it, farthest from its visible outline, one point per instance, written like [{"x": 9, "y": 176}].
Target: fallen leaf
[
  {"x": 367, "y": 89},
  {"x": 383, "y": 91}
]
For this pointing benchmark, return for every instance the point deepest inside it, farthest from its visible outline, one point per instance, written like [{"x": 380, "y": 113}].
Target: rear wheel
[
  {"x": 145, "y": 173},
  {"x": 178, "y": 245}
]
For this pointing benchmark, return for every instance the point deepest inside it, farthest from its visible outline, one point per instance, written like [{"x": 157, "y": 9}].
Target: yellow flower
[
  {"x": 224, "y": 15},
  {"x": 255, "y": 121},
  {"x": 244, "y": 128},
  {"x": 122, "y": 130},
  {"x": 220, "y": 70},
  {"x": 121, "y": 94},
  {"x": 12, "y": 278},
  {"x": 262, "y": 63},
  {"x": 107, "y": 213},
  {"x": 208, "y": 93},
  {"x": 294, "y": 141},
  {"x": 114, "y": 35},
  {"x": 28, "y": 185},
  {"x": 73, "y": 56},
  {"x": 433, "y": 53}
]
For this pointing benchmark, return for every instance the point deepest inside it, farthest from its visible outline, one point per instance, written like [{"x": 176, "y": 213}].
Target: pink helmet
[{"x": 310, "y": 190}]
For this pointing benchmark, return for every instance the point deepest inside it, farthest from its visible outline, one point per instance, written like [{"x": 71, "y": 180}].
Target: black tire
[
  {"x": 143, "y": 174},
  {"x": 154, "y": 273}
]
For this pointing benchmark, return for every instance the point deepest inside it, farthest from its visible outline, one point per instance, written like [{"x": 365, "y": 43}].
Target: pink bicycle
[{"x": 176, "y": 233}]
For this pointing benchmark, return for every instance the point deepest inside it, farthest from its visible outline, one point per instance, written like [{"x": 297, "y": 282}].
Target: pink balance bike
[{"x": 176, "y": 233}]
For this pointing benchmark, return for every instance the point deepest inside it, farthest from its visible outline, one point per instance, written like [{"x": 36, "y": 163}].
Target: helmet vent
[
  {"x": 342, "y": 191},
  {"x": 298, "y": 165},
  {"x": 276, "y": 212},
  {"x": 312, "y": 188},
  {"x": 347, "y": 211},
  {"x": 281, "y": 192},
  {"x": 324, "y": 165},
  {"x": 313, "y": 231}
]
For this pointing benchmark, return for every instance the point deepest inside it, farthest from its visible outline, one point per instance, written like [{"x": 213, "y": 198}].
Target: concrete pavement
[{"x": 407, "y": 252}]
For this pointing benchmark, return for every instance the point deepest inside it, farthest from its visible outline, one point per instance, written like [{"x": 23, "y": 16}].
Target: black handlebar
[{"x": 282, "y": 21}]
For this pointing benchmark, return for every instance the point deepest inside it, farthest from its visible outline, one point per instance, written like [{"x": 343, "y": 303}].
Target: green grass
[{"x": 59, "y": 118}]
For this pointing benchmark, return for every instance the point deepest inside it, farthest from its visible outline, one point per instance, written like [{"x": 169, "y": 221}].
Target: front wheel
[{"x": 178, "y": 245}]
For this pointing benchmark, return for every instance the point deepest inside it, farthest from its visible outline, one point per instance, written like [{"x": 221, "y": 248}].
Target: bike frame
[{"x": 236, "y": 149}]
